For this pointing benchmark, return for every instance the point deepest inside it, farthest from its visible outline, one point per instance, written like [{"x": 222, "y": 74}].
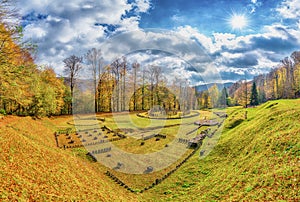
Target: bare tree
[
  {"x": 116, "y": 71},
  {"x": 154, "y": 74},
  {"x": 143, "y": 89},
  {"x": 288, "y": 64},
  {"x": 94, "y": 58},
  {"x": 72, "y": 68},
  {"x": 135, "y": 67},
  {"x": 158, "y": 75},
  {"x": 123, "y": 76},
  {"x": 246, "y": 93}
]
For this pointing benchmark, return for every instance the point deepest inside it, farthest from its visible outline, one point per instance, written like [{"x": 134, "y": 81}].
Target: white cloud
[
  {"x": 53, "y": 19},
  {"x": 173, "y": 50},
  {"x": 131, "y": 24},
  {"x": 34, "y": 32},
  {"x": 69, "y": 26},
  {"x": 264, "y": 62},
  {"x": 290, "y": 9},
  {"x": 143, "y": 6},
  {"x": 206, "y": 42}
]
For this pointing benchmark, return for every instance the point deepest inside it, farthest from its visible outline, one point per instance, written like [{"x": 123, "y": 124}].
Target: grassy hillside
[
  {"x": 31, "y": 167},
  {"x": 257, "y": 158}
]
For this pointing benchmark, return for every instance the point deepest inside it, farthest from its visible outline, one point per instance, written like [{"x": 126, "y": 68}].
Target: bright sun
[{"x": 238, "y": 21}]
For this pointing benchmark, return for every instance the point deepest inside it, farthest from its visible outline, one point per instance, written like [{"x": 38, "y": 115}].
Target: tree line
[
  {"x": 123, "y": 86},
  {"x": 28, "y": 89},
  {"x": 25, "y": 88},
  {"x": 282, "y": 82}
]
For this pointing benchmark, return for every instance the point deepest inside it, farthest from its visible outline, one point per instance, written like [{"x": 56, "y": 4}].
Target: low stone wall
[
  {"x": 163, "y": 118},
  {"x": 156, "y": 182}
]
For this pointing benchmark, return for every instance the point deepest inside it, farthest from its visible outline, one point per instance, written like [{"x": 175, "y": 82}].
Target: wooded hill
[
  {"x": 282, "y": 82},
  {"x": 25, "y": 88}
]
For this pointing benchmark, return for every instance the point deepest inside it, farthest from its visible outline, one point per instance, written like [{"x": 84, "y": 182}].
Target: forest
[
  {"x": 282, "y": 82},
  {"x": 30, "y": 89},
  {"x": 25, "y": 88},
  {"x": 122, "y": 86}
]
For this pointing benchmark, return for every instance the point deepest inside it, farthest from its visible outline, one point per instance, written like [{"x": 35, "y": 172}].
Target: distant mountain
[
  {"x": 204, "y": 87},
  {"x": 87, "y": 84}
]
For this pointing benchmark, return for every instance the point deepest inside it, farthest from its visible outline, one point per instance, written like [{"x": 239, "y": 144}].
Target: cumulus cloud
[
  {"x": 61, "y": 29},
  {"x": 290, "y": 9},
  {"x": 243, "y": 51},
  {"x": 179, "y": 55},
  {"x": 142, "y": 5}
]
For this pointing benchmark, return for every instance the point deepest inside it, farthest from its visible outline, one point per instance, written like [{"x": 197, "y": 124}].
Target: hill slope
[
  {"x": 257, "y": 158},
  {"x": 31, "y": 167}
]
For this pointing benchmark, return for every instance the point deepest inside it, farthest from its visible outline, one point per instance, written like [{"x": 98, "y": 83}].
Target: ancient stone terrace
[{"x": 206, "y": 122}]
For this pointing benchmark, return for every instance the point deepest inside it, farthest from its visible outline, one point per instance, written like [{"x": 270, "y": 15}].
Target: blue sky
[{"x": 231, "y": 39}]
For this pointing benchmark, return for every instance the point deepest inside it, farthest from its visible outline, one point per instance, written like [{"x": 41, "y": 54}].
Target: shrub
[{"x": 2, "y": 111}]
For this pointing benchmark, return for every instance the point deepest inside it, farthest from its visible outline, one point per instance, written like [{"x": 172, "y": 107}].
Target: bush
[{"x": 2, "y": 111}]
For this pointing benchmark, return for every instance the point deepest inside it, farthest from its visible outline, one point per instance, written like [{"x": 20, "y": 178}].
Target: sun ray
[{"x": 238, "y": 21}]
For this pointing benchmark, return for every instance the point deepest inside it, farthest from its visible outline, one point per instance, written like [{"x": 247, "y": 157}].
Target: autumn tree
[
  {"x": 17, "y": 70},
  {"x": 25, "y": 88},
  {"x": 296, "y": 58},
  {"x": 48, "y": 98},
  {"x": 204, "y": 100},
  {"x": 105, "y": 88},
  {"x": 289, "y": 80},
  {"x": 242, "y": 94}
]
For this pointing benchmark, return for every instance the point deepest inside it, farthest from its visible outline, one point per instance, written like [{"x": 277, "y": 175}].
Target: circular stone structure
[{"x": 157, "y": 115}]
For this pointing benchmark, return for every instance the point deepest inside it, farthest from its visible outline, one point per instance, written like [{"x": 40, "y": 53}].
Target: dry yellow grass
[{"x": 33, "y": 168}]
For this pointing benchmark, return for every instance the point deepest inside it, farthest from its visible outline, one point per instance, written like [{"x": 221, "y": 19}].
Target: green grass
[
  {"x": 253, "y": 159},
  {"x": 256, "y": 160}
]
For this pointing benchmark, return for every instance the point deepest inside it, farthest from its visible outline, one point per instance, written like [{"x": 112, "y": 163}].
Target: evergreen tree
[
  {"x": 254, "y": 95},
  {"x": 223, "y": 99}
]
